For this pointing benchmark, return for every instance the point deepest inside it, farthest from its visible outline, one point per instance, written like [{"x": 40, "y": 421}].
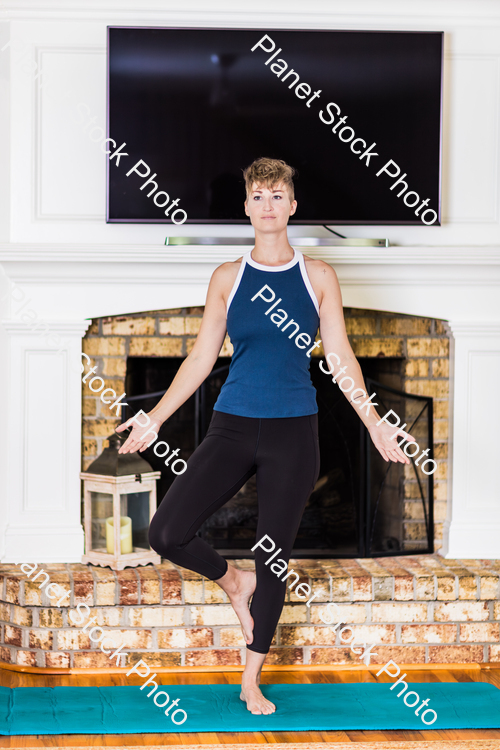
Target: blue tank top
[{"x": 272, "y": 320}]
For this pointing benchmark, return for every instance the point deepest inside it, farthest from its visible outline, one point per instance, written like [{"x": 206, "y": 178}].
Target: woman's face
[{"x": 269, "y": 208}]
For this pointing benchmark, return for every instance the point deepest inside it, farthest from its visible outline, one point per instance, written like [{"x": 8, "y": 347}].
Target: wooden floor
[{"x": 381, "y": 739}]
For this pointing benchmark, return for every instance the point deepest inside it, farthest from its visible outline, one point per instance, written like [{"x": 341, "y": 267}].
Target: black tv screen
[{"x": 194, "y": 107}]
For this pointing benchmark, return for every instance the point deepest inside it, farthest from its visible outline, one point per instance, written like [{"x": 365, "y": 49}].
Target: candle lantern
[{"x": 119, "y": 503}]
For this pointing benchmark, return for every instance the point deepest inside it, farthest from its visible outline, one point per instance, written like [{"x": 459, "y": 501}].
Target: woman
[{"x": 265, "y": 419}]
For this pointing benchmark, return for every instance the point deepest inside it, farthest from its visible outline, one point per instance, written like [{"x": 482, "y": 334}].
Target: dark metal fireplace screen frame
[{"x": 425, "y": 482}]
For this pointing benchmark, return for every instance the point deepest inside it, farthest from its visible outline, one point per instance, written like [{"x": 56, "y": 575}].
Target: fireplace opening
[{"x": 357, "y": 508}]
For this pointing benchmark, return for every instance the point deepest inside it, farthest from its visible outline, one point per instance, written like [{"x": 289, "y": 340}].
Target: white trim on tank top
[
  {"x": 236, "y": 282},
  {"x": 307, "y": 282},
  {"x": 297, "y": 257},
  {"x": 272, "y": 269}
]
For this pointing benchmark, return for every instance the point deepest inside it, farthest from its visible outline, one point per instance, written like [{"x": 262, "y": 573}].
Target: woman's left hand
[{"x": 389, "y": 449}]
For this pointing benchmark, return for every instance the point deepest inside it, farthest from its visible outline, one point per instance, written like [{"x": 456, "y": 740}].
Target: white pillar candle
[{"x": 125, "y": 535}]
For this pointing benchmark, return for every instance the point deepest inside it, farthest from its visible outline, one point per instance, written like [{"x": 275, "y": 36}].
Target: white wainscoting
[
  {"x": 57, "y": 173},
  {"x": 475, "y": 487},
  {"x": 41, "y": 455}
]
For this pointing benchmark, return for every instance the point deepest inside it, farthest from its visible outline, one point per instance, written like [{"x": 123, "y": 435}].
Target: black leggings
[{"x": 284, "y": 454}]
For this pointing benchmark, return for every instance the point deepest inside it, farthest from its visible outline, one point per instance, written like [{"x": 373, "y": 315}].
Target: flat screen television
[{"x": 193, "y": 107}]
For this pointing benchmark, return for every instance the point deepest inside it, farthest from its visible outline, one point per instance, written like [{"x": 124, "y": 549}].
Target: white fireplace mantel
[{"x": 66, "y": 286}]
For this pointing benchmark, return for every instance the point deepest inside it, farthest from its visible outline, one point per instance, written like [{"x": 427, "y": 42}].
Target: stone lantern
[{"x": 119, "y": 503}]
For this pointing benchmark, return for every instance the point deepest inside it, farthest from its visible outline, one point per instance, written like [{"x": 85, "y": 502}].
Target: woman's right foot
[
  {"x": 239, "y": 589},
  {"x": 256, "y": 703}
]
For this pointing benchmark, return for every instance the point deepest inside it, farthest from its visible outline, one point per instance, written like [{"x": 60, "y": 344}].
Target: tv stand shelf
[{"x": 302, "y": 241}]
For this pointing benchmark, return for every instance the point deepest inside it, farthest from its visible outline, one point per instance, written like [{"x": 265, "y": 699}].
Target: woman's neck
[{"x": 272, "y": 250}]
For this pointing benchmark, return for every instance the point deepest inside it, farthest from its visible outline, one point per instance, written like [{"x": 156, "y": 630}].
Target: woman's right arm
[{"x": 197, "y": 365}]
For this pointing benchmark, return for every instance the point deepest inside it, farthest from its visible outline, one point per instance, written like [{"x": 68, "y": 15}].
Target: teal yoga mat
[{"x": 217, "y": 708}]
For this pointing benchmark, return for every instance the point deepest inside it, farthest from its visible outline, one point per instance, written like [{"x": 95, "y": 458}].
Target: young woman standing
[{"x": 265, "y": 419}]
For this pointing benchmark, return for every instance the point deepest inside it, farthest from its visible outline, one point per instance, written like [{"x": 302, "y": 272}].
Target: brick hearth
[{"x": 418, "y": 609}]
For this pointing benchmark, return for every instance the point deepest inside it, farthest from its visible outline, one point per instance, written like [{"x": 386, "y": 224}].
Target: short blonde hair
[{"x": 269, "y": 172}]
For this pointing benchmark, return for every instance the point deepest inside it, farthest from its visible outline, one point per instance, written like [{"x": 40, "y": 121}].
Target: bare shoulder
[
  {"x": 224, "y": 276},
  {"x": 319, "y": 270}
]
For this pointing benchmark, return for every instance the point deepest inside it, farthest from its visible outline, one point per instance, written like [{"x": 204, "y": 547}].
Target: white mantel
[{"x": 41, "y": 389}]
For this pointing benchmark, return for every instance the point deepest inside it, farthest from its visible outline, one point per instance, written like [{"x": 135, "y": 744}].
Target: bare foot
[
  {"x": 256, "y": 703},
  {"x": 239, "y": 589}
]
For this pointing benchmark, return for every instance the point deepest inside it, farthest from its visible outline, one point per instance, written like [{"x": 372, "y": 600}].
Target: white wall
[{"x": 57, "y": 175}]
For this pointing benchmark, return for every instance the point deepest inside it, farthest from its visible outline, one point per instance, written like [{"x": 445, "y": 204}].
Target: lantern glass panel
[
  {"x": 136, "y": 506},
  {"x": 101, "y": 507}
]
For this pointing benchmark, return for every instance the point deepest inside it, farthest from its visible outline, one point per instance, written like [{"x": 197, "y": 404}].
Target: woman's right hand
[{"x": 141, "y": 435}]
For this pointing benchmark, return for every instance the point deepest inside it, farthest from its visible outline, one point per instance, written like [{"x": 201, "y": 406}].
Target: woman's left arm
[{"x": 342, "y": 362}]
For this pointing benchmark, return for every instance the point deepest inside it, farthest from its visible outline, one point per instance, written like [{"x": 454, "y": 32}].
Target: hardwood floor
[{"x": 387, "y": 738}]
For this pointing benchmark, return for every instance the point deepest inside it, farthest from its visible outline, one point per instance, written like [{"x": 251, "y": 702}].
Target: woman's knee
[{"x": 163, "y": 539}]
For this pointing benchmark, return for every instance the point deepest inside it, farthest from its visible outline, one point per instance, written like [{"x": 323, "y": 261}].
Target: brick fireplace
[{"x": 416, "y": 608}]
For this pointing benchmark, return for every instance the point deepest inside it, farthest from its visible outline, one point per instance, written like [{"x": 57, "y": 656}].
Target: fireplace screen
[{"x": 361, "y": 506}]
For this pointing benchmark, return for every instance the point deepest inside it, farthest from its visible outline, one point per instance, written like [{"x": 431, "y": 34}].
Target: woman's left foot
[
  {"x": 239, "y": 598},
  {"x": 256, "y": 703},
  {"x": 240, "y": 585}
]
